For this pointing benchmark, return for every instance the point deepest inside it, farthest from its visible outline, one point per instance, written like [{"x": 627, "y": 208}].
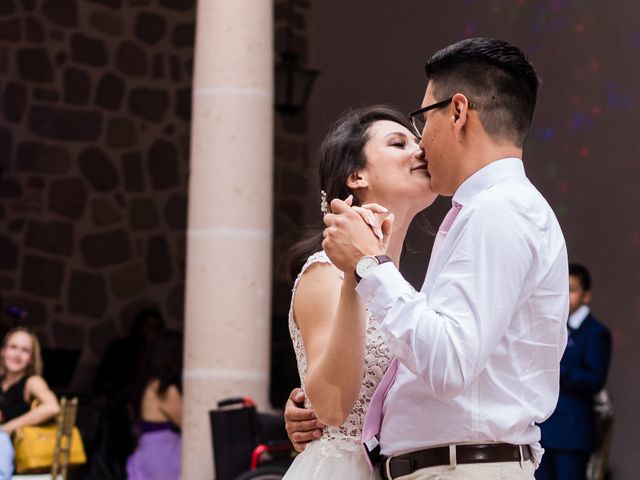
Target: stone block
[
  {"x": 68, "y": 197},
  {"x": 158, "y": 260},
  {"x": 16, "y": 225},
  {"x": 10, "y": 188},
  {"x": 34, "y": 29},
  {"x": 107, "y": 22},
  {"x": 42, "y": 158},
  {"x": 88, "y": 51},
  {"x": 183, "y": 36},
  {"x": 128, "y": 281},
  {"x": 34, "y": 65},
  {"x": 175, "y": 303},
  {"x": 150, "y": 28},
  {"x": 163, "y": 164},
  {"x": 87, "y": 294},
  {"x": 131, "y": 59},
  {"x": 6, "y": 148},
  {"x": 63, "y": 13},
  {"x": 143, "y": 214},
  {"x": 110, "y": 91},
  {"x": 175, "y": 212},
  {"x": 183, "y": 103},
  {"x": 98, "y": 169},
  {"x": 42, "y": 276},
  {"x": 121, "y": 133},
  {"x": 7, "y": 7},
  {"x": 8, "y": 253},
  {"x": 77, "y": 86},
  {"x": 46, "y": 94},
  {"x": 65, "y": 124},
  {"x": 104, "y": 213},
  {"x": 50, "y": 237},
  {"x": 149, "y": 103},
  {"x": 158, "y": 66},
  {"x": 6, "y": 283},
  {"x": 106, "y": 249},
  {"x": 37, "y": 183},
  {"x": 11, "y": 30},
  {"x": 133, "y": 171}
]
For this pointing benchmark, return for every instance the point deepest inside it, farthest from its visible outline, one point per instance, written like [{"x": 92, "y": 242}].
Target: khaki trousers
[{"x": 475, "y": 471}]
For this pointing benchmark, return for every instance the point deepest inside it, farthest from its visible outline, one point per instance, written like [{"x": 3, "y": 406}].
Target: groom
[{"x": 479, "y": 346}]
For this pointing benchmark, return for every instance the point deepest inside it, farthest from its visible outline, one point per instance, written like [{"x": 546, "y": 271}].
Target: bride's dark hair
[{"x": 341, "y": 154}]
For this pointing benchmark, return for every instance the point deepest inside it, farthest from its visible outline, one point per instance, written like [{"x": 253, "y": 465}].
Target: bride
[{"x": 371, "y": 155}]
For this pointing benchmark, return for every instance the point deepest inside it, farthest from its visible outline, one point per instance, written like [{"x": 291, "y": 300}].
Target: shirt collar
[
  {"x": 577, "y": 317},
  {"x": 486, "y": 177}
]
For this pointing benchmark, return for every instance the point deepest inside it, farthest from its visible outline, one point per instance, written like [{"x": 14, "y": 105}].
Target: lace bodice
[{"x": 376, "y": 361}]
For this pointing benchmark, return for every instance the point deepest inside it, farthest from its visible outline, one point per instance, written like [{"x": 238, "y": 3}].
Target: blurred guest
[
  {"x": 159, "y": 412},
  {"x": 120, "y": 368},
  {"x": 569, "y": 435},
  {"x": 21, "y": 383},
  {"x": 109, "y": 439}
]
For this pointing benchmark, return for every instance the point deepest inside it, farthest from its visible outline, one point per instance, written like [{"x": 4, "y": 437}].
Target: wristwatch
[{"x": 368, "y": 262}]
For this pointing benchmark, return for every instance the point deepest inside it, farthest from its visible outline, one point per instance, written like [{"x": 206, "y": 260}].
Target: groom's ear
[
  {"x": 356, "y": 181},
  {"x": 461, "y": 106}
]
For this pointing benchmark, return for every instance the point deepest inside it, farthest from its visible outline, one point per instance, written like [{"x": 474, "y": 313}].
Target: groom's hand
[
  {"x": 301, "y": 423},
  {"x": 352, "y": 233}
]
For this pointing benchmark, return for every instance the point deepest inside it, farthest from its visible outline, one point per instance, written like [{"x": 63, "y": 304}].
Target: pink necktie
[{"x": 373, "y": 419}]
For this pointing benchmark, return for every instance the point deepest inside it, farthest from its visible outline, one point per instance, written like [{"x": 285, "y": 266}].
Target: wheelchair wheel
[{"x": 272, "y": 472}]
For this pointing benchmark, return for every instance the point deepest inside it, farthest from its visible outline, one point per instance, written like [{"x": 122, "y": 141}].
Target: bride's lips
[{"x": 422, "y": 166}]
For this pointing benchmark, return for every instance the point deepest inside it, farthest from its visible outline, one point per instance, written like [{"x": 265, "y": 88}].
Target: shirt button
[{"x": 369, "y": 298}]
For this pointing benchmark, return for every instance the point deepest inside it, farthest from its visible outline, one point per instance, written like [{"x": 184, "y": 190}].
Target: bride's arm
[{"x": 331, "y": 318}]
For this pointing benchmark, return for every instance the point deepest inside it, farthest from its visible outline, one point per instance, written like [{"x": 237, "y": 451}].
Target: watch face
[{"x": 365, "y": 264}]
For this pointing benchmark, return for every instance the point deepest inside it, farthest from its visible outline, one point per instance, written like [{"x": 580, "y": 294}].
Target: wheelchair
[{"x": 249, "y": 445}]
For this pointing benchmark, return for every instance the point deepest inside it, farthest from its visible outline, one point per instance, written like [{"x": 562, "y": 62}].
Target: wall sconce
[{"x": 293, "y": 82}]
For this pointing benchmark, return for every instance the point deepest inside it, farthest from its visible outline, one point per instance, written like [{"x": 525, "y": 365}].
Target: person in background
[
  {"x": 569, "y": 435},
  {"x": 109, "y": 439},
  {"x": 21, "y": 383},
  {"x": 159, "y": 412}
]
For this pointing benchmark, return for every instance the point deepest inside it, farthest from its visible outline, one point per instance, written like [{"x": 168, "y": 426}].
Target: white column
[{"x": 228, "y": 275}]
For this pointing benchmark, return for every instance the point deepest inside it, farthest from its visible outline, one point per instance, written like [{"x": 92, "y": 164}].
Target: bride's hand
[{"x": 301, "y": 423}]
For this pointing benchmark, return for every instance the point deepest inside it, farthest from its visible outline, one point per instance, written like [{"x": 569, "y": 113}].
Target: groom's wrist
[{"x": 368, "y": 263}]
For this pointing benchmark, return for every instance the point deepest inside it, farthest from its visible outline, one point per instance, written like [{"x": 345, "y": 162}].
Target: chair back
[{"x": 62, "y": 451}]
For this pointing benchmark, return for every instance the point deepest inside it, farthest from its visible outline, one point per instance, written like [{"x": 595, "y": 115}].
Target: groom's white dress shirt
[{"x": 480, "y": 345}]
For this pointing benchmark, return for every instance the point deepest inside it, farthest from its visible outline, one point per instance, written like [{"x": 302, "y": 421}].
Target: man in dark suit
[{"x": 569, "y": 436}]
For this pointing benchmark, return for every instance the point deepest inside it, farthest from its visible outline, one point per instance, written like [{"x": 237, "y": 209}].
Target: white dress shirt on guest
[
  {"x": 480, "y": 345},
  {"x": 577, "y": 317}
]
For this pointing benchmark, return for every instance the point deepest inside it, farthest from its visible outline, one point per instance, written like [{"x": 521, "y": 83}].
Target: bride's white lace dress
[{"x": 338, "y": 454}]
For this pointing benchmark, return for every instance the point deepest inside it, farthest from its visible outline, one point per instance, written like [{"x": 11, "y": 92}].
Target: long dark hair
[
  {"x": 341, "y": 154},
  {"x": 162, "y": 363}
]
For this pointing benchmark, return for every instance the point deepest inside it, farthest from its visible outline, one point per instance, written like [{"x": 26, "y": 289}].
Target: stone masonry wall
[{"x": 95, "y": 103}]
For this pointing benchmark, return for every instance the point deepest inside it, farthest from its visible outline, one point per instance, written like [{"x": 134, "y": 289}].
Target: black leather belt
[{"x": 407, "y": 463}]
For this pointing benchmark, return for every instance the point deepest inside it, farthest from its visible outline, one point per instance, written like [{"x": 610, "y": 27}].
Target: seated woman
[
  {"x": 21, "y": 383},
  {"x": 159, "y": 412}
]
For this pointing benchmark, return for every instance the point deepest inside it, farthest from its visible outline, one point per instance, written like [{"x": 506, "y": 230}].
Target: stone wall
[{"x": 94, "y": 157}]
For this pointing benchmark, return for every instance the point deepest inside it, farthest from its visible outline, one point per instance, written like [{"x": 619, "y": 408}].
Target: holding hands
[{"x": 353, "y": 232}]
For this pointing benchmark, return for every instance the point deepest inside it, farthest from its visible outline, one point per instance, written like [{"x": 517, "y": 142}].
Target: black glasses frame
[{"x": 433, "y": 106}]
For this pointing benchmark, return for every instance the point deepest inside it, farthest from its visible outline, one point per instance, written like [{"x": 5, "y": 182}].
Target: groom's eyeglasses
[{"x": 417, "y": 117}]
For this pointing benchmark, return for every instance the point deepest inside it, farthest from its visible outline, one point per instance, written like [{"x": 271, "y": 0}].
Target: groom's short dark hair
[{"x": 496, "y": 76}]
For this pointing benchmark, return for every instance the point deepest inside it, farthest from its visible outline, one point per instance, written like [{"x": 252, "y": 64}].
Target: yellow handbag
[
  {"x": 35, "y": 446},
  {"x": 45, "y": 447}
]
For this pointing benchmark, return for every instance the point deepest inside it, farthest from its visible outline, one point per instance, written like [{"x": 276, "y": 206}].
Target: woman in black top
[{"x": 21, "y": 383}]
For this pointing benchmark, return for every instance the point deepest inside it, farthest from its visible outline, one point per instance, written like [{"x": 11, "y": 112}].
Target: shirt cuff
[{"x": 380, "y": 286}]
